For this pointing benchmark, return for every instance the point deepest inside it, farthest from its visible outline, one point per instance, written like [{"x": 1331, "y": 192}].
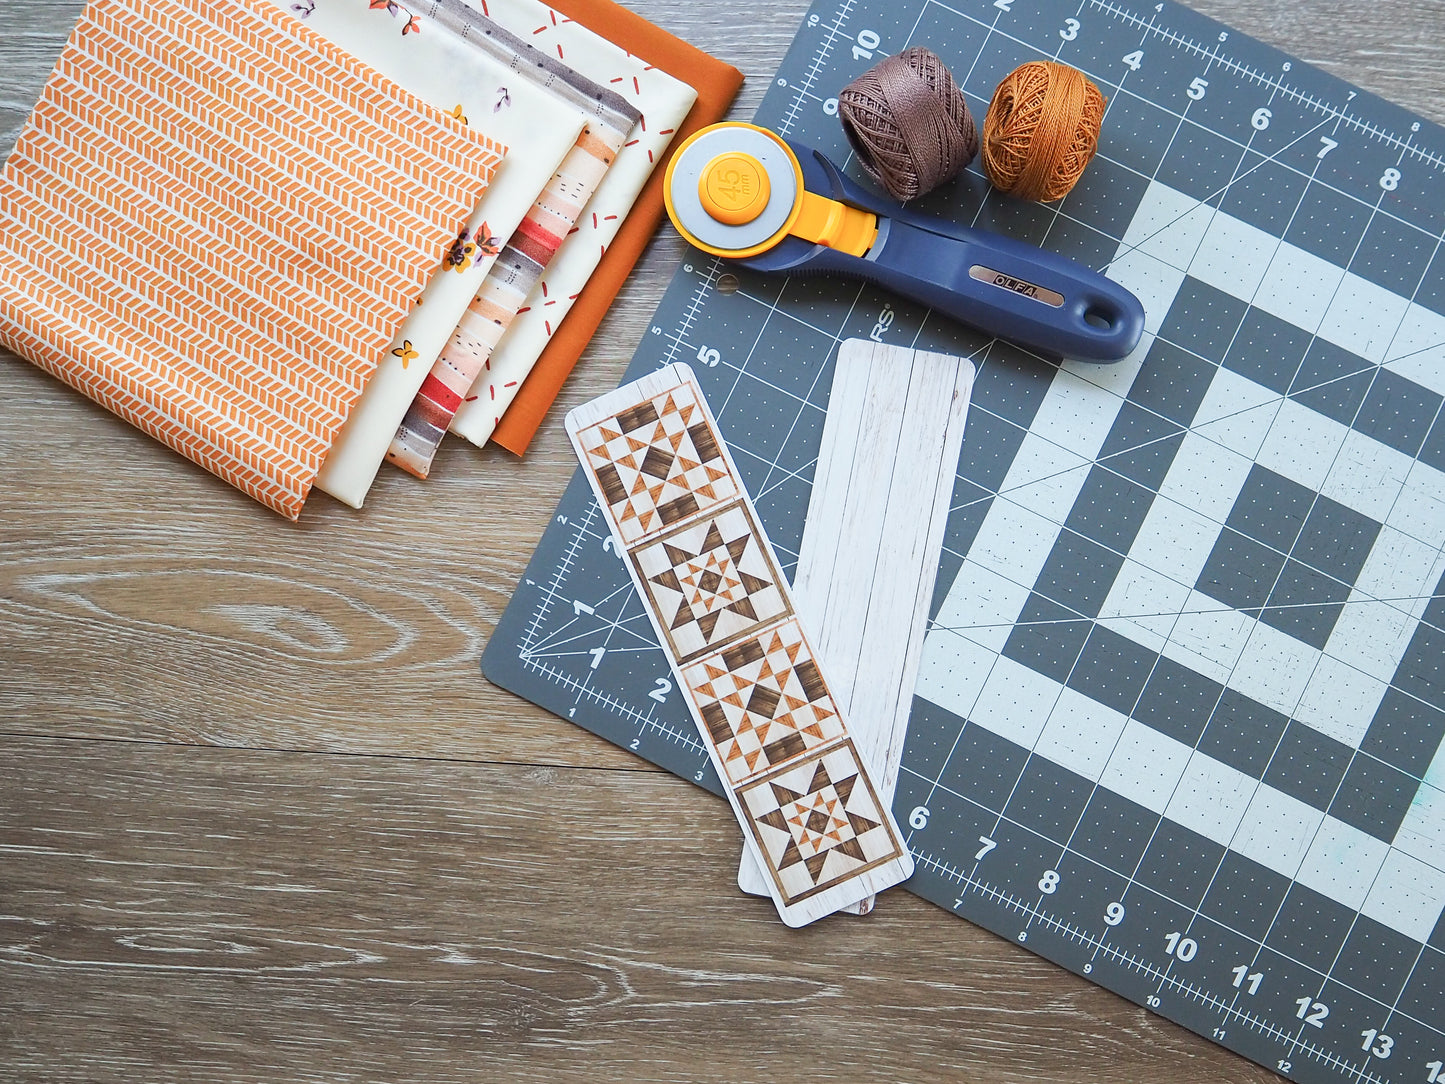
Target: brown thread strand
[
  {"x": 908, "y": 123},
  {"x": 1041, "y": 130}
]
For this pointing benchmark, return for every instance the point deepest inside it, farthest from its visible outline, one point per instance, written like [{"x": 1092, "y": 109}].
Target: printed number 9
[{"x": 1114, "y": 914}]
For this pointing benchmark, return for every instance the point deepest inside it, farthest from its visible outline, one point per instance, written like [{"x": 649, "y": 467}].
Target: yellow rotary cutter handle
[{"x": 741, "y": 192}]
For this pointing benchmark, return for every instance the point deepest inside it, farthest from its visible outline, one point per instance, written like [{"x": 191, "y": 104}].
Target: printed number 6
[{"x": 919, "y": 817}]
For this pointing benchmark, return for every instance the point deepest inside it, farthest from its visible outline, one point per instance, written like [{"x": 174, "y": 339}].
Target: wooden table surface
[{"x": 262, "y": 819}]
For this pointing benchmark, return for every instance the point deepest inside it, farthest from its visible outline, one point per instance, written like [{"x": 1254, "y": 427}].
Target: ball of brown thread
[
  {"x": 908, "y": 123},
  {"x": 1041, "y": 130}
]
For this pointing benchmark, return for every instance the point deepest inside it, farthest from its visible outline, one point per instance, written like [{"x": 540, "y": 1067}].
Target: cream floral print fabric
[
  {"x": 442, "y": 68},
  {"x": 663, "y": 103},
  {"x": 530, "y": 249}
]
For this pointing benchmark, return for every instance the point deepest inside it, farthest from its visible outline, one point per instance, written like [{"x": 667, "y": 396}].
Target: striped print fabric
[
  {"x": 530, "y": 249},
  {"x": 213, "y": 223}
]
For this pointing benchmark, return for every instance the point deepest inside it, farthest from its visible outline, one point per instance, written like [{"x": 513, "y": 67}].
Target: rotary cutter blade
[{"x": 741, "y": 192}]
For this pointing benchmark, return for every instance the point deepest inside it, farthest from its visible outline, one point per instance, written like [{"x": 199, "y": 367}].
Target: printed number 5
[
  {"x": 708, "y": 356},
  {"x": 1197, "y": 88}
]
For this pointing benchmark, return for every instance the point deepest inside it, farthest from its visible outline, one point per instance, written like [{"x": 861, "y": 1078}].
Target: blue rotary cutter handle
[{"x": 746, "y": 194}]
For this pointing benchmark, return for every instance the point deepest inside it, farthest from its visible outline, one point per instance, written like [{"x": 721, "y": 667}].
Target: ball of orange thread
[{"x": 1041, "y": 130}]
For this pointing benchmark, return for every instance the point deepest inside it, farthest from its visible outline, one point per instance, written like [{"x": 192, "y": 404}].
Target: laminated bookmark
[
  {"x": 664, "y": 102},
  {"x": 530, "y": 249},
  {"x": 882, "y": 493},
  {"x": 453, "y": 74},
  {"x": 812, "y": 817}
]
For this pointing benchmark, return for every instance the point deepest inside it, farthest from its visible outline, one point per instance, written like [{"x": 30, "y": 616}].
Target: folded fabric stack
[{"x": 294, "y": 239}]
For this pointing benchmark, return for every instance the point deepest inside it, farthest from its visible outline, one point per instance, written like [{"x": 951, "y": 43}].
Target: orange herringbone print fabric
[{"x": 214, "y": 223}]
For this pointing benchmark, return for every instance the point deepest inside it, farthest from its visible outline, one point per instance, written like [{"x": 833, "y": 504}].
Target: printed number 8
[{"x": 1391, "y": 180}]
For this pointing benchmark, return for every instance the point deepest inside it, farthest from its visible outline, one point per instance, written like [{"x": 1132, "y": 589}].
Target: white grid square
[
  {"x": 1406, "y": 896},
  {"x": 1211, "y": 798},
  {"x": 1371, "y": 636},
  {"x": 1046, "y": 478},
  {"x": 1236, "y": 413},
  {"x": 1209, "y": 637},
  {"x": 953, "y": 670},
  {"x": 1422, "y": 833},
  {"x": 1420, "y": 508},
  {"x": 982, "y": 605},
  {"x": 1399, "y": 566},
  {"x": 1302, "y": 445},
  {"x": 1342, "y": 862},
  {"x": 1015, "y": 702},
  {"x": 1146, "y": 766},
  {"x": 1080, "y": 734},
  {"x": 1418, "y": 352},
  {"x": 1142, "y": 603},
  {"x": 1152, "y": 281},
  {"x": 1074, "y": 416},
  {"x": 1233, "y": 256},
  {"x": 1168, "y": 225},
  {"x": 1014, "y": 541},
  {"x": 1206, "y": 477},
  {"x": 1362, "y": 317},
  {"x": 1340, "y": 701},
  {"x": 1276, "y": 830},
  {"x": 1274, "y": 668},
  {"x": 1366, "y": 475},
  {"x": 1300, "y": 287},
  {"x": 1174, "y": 541}
]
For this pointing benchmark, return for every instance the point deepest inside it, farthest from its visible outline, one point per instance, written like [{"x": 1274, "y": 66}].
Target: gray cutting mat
[{"x": 1179, "y": 719}]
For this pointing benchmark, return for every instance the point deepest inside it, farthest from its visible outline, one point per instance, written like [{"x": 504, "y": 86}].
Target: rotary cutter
[{"x": 741, "y": 192}]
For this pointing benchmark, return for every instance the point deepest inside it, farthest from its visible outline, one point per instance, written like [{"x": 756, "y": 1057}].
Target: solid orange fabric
[{"x": 717, "y": 84}]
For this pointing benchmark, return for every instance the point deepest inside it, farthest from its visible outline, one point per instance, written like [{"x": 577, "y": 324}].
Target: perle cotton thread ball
[
  {"x": 908, "y": 123},
  {"x": 1041, "y": 130}
]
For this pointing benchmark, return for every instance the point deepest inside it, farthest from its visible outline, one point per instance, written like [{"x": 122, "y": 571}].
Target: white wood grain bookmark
[
  {"x": 882, "y": 492},
  {"x": 812, "y": 817}
]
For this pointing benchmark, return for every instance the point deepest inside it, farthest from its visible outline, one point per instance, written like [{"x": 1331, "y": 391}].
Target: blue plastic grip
[{"x": 1016, "y": 291}]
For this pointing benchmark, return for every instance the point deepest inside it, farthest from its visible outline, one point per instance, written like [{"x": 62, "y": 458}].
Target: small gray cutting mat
[{"x": 1180, "y": 712}]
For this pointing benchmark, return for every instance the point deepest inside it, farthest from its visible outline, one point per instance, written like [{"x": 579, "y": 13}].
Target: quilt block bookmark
[{"x": 812, "y": 816}]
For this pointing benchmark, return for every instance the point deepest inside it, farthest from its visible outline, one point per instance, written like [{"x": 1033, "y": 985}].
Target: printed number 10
[{"x": 867, "y": 42}]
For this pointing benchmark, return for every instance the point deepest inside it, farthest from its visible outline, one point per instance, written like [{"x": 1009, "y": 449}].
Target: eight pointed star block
[
  {"x": 710, "y": 581},
  {"x": 658, "y": 463},
  {"x": 764, "y": 700},
  {"x": 817, "y": 821}
]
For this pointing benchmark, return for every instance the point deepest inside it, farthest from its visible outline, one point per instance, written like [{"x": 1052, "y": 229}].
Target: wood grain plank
[{"x": 172, "y": 914}]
